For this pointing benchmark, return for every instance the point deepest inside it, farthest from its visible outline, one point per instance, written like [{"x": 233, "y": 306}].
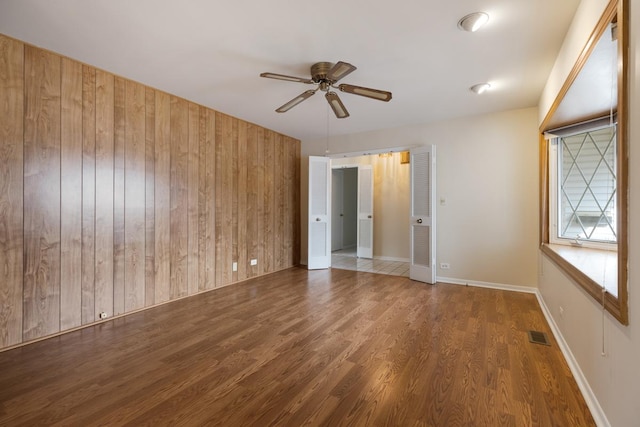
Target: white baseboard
[
  {"x": 590, "y": 398},
  {"x": 490, "y": 285}
]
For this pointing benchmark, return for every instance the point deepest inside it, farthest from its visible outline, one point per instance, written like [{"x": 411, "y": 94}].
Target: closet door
[
  {"x": 422, "y": 215},
  {"x": 319, "y": 237},
  {"x": 365, "y": 211}
]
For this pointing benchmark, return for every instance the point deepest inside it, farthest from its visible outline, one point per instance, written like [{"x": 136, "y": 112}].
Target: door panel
[
  {"x": 337, "y": 209},
  {"x": 319, "y": 243},
  {"x": 422, "y": 215},
  {"x": 365, "y": 211}
]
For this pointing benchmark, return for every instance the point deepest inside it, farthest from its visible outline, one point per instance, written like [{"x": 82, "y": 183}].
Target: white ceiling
[{"x": 212, "y": 52}]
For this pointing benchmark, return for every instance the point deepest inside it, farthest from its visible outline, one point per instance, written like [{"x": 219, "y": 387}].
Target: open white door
[
  {"x": 337, "y": 209},
  {"x": 422, "y": 215},
  {"x": 319, "y": 242},
  {"x": 365, "y": 211}
]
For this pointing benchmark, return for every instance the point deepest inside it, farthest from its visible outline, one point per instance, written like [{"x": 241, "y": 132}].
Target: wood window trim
[{"x": 618, "y": 307}]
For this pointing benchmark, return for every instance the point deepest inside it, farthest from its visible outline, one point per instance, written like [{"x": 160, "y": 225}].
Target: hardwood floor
[{"x": 302, "y": 347}]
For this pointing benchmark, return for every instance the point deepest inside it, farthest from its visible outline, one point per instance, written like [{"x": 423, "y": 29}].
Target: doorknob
[
  {"x": 419, "y": 220},
  {"x": 369, "y": 216},
  {"x": 317, "y": 219}
]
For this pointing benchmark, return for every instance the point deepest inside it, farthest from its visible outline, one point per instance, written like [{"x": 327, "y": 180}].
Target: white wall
[
  {"x": 487, "y": 169},
  {"x": 615, "y": 377}
]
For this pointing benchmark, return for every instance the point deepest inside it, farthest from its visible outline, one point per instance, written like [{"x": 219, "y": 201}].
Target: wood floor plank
[{"x": 301, "y": 347}]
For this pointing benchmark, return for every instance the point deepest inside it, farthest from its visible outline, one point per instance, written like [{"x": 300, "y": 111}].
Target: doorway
[
  {"x": 391, "y": 205},
  {"x": 349, "y": 211},
  {"x": 344, "y": 210}
]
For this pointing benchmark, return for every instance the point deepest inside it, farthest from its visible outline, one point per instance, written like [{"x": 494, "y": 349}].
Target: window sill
[
  {"x": 599, "y": 265},
  {"x": 591, "y": 269}
]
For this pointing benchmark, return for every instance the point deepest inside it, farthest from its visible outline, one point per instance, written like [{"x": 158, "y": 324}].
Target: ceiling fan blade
[
  {"x": 380, "y": 95},
  {"x": 336, "y": 105},
  {"x": 295, "y": 101},
  {"x": 286, "y": 78},
  {"x": 340, "y": 70}
]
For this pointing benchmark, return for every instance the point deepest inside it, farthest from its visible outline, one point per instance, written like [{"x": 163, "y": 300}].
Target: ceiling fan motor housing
[{"x": 319, "y": 71}]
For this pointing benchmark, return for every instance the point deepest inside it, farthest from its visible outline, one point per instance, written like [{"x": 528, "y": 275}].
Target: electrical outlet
[
  {"x": 445, "y": 265},
  {"x": 234, "y": 266},
  {"x": 254, "y": 262},
  {"x": 103, "y": 315}
]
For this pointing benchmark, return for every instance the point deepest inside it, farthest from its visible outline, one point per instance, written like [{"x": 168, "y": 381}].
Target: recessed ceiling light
[
  {"x": 473, "y": 21},
  {"x": 480, "y": 88}
]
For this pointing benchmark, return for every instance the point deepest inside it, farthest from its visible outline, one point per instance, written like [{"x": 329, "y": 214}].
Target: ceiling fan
[{"x": 325, "y": 75}]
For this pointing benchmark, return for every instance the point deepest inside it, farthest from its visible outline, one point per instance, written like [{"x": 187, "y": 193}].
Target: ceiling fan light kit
[{"x": 325, "y": 75}]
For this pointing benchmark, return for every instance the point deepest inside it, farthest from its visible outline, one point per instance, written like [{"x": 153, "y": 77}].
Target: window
[
  {"x": 583, "y": 185},
  {"x": 583, "y": 168}
]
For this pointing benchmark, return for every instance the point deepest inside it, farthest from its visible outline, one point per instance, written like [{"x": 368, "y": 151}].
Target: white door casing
[{"x": 422, "y": 215}]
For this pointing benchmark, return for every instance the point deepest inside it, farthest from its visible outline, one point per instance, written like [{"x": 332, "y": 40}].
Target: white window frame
[{"x": 554, "y": 198}]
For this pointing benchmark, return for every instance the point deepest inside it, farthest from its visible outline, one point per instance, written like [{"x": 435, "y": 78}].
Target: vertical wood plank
[
  {"x": 162, "y": 197},
  {"x": 179, "y": 196},
  {"x": 279, "y": 215},
  {"x": 118, "y": 196},
  {"x": 134, "y": 204},
  {"x": 269, "y": 201},
  {"x": 251, "y": 161},
  {"x": 223, "y": 208},
  {"x": 88, "y": 192},
  {"x": 286, "y": 202},
  {"x": 71, "y": 195},
  {"x": 296, "y": 198},
  {"x": 233, "y": 150},
  {"x": 211, "y": 199},
  {"x": 11, "y": 189},
  {"x": 149, "y": 196},
  {"x": 290, "y": 209},
  {"x": 241, "y": 195},
  {"x": 193, "y": 194},
  {"x": 41, "y": 194},
  {"x": 260, "y": 197},
  {"x": 202, "y": 199},
  {"x": 104, "y": 231}
]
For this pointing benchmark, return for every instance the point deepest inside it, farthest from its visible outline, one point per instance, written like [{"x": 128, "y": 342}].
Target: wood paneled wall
[{"x": 115, "y": 196}]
